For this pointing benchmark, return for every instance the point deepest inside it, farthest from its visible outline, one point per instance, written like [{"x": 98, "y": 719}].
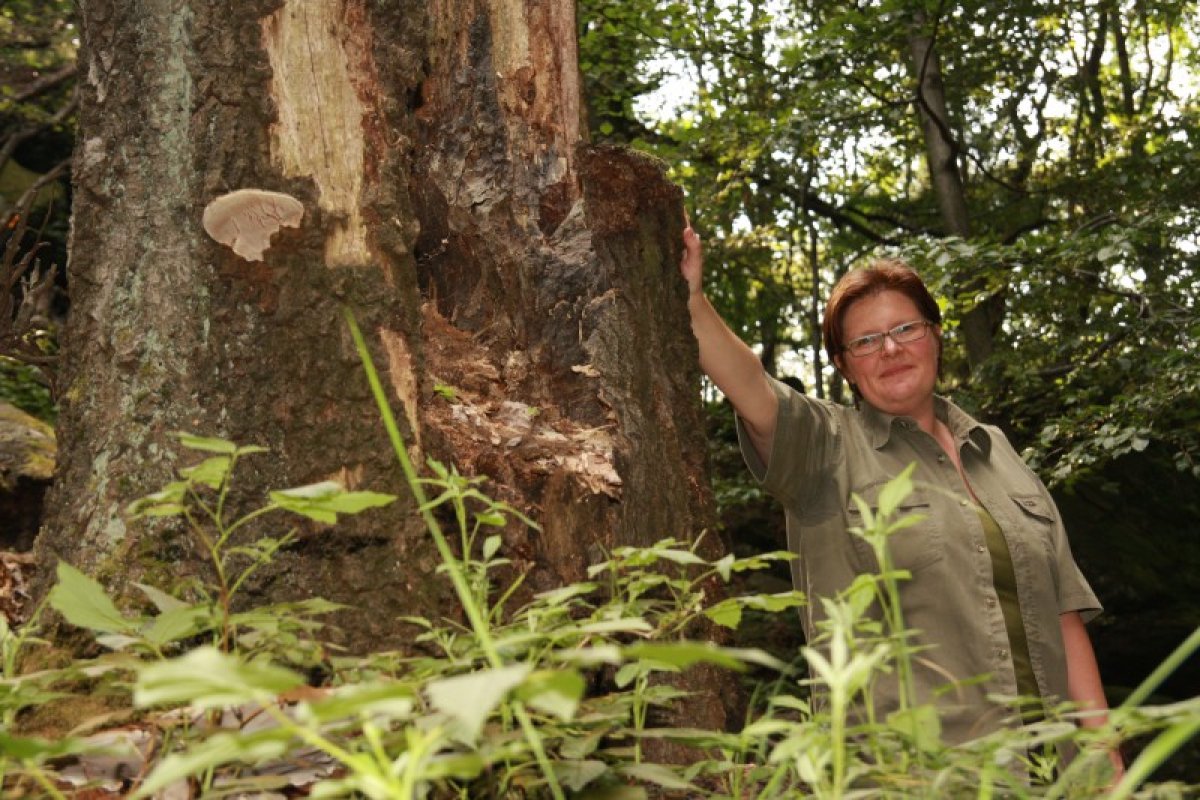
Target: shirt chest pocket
[
  {"x": 913, "y": 547},
  {"x": 1032, "y": 535}
]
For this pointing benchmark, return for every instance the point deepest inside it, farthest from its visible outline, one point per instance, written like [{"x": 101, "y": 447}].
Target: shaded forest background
[{"x": 1036, "y": 163}]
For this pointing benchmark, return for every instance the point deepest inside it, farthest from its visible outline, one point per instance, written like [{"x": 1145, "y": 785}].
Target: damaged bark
[{"x": 519, "y": 287}]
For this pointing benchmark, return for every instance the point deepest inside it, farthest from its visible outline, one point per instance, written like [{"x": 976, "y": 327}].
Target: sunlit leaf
[
  {"x": 470, "y": 699},
  {"x": 554, "y": 692},
  {"x": 211, "y": 472},
  {"x": 207, "y": 678},
  {"x": 206, "y": 444},
  {"x": 83, "y": 602}
]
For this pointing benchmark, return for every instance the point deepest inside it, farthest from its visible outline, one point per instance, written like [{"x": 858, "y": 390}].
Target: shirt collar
[{"x": 962, "y": 425}]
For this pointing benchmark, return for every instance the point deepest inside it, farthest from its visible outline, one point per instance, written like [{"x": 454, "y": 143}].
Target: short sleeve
[
  {"x": 803, "y": 447},
  {"x": 1074, "y": 592}
]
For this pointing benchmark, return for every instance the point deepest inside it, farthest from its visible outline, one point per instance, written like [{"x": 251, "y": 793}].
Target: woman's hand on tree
[{"x": 691, "y": 266}]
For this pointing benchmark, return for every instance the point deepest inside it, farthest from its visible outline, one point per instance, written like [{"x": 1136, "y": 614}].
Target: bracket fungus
[{"x": 246, "y": 219}]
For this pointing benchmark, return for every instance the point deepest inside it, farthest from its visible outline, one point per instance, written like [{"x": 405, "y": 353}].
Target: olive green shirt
[{"x": 822, "y": 452}]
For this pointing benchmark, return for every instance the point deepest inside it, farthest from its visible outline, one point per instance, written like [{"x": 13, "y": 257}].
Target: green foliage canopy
[{"x": 795, "y": 128}]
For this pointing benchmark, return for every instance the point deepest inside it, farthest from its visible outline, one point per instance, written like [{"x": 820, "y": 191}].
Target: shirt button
[
  {"x": 1002, "y": 653},
  {"x": 964, "y": 502},
  {"x": 991, "y": 602},
  {"x": 942, "y": 458},
  {"x": 981, "y": 548}
]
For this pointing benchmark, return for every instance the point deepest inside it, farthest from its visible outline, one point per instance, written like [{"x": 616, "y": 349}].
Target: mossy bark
[{"x": 451, "y": 203}]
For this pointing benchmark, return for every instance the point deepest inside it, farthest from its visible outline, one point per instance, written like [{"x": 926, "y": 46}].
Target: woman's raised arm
[{"x": 725, "y": 358}]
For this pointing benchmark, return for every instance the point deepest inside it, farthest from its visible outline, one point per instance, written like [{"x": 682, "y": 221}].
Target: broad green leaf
[
  {"x": 207, "y": 678},
  {"x": 685, "y": 557},
  {"x": 727, "y": 613},
  {"x": 82, "y": 602},
  {"x": 325, "y": 500},
  {"x": 630, "y": 672},
  {"x": 354, "y": 502},
  {"x": 211, "y": 471},
  {"x": 577, "y": 774},
  {"x": 774, "y": 602},
  {"x": 162, "y": 601},
  {"x": 556, "y": 692},
  {"x": 470, "y": 699},
  {"x": 178, "y": 623},
  {"x": 920, "y": 724}
]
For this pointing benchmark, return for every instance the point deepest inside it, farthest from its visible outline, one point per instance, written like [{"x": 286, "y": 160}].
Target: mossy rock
[{"x": 28, "y": 450}]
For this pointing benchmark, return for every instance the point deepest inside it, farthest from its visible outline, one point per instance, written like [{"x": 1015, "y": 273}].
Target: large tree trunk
[{"x": 450, "y": 201}]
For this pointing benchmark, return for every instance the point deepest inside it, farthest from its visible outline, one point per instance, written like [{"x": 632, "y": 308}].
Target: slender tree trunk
[
  {"x": 450, "y": 201},
  {"x": 980, "y": 323},
  {"x": 941, "y": 149}
]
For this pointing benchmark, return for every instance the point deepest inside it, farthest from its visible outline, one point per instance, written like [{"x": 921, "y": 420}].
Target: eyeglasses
[{"x": 901, "y": 334}]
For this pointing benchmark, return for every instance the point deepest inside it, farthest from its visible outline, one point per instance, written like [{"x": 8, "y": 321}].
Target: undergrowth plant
[{"x": 553, "y": 696}]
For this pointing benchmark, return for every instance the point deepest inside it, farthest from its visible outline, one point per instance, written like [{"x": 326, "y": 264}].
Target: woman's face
[{"x": 898, "y": 378}]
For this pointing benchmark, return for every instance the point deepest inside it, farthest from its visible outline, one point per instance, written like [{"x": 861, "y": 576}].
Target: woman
[{"x": 994, "y": 589}]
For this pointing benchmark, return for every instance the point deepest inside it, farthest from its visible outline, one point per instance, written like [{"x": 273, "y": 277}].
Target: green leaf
[
  {"x": 459, "y": 766},
  {"x": 166, "y": 502},
  {"x": 207, "y": 445},
  {"x": 216, "y": 750},
  {"x": 560, "y": 595},
  {"x": 23, "y": 748},
  {"x": 555, "y": 692},
  {"x": 207, "y": 678},
  {"x": 920, "y": 724},
  {"x": 82, "y": 602},
  {"x": 491, "y": 545},
  {"x": 727, "y": 613},
  {"x": 211, "y": 471},
  {"x": 683, "y": 654},
  {"x": 659, "y": 774},
  {"x": 493, "y": 518},
  {"x": 724, "y": 568},
  {"x": 387, "y": 700},
  {"x": 590, "y": 656},
  {"x": 325, "y": 500},
  {"x": 577, "y": 774},
  {"x": 895, "y": 491},
  {"x": 626, "y": 625},
  {"x": 470, "y": 699},
  {"x": 162, "y": 601},
  {"x": 178, "y": 623}
]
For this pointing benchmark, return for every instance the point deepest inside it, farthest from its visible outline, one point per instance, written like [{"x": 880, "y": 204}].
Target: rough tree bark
[{"x": 450, "y": 201}]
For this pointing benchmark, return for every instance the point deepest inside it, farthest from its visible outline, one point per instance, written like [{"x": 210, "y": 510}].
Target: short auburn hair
[{"x": 887, "y": 274}]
